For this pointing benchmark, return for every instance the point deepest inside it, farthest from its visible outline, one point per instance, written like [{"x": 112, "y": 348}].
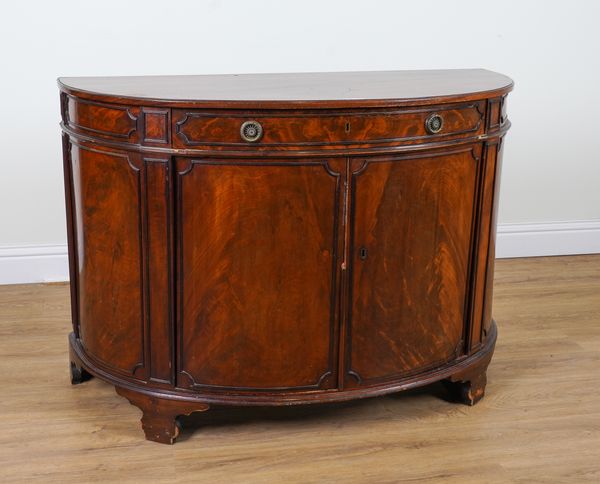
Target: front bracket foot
[{"x": 159, "y": 415}]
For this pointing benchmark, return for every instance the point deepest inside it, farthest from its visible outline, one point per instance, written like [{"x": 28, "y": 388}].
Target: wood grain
[
  {"x": 257, "y": 274},
  {"x": 539, "y": 422},
  {"x": 413, "y": 217},
  {"x": 297, "y": 130},
  {"x": 310, "y": 89},
  {"x": 108, "y": 215}
]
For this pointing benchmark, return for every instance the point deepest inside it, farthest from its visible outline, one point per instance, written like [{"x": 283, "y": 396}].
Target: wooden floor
[{"x": 539, "y": 422}]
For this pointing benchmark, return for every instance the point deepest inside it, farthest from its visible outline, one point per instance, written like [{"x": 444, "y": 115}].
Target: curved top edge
[{"x": 294, "y": 90}]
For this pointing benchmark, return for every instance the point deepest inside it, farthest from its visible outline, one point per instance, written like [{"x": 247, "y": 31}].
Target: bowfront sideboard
[{"x": 281, "y": 239}]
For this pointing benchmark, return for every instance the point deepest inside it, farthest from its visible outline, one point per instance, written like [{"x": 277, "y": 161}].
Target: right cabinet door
[{"x": 411, "y": 224}]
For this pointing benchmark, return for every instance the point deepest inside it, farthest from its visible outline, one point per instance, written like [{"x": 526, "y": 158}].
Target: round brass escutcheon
[
  {"x": 251, "y": 131},
  {"x": 434, "y": 124}
]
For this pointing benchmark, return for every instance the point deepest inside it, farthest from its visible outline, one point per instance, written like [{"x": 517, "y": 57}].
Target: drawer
[{"x": 327, "y": 129}]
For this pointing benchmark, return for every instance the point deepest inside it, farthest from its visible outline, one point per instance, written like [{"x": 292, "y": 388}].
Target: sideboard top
[{"x": 318, "y": 90}]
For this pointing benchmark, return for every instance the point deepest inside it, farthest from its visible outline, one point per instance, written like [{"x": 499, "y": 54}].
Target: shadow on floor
[{"x": 222, "y": 417}]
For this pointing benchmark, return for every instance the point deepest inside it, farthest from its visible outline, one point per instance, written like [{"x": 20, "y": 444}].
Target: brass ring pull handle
[
  {"x": 251, "y": 131},
  {"x": 434, "y": 124}
]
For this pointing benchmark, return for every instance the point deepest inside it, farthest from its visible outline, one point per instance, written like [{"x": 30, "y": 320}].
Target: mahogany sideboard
[{"x": 281, "y": 239}]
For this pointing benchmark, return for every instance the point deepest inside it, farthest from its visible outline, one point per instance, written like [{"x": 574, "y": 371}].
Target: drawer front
[
  {"x": 119, "y": 123},
  {"x": 326, "y": 129}
]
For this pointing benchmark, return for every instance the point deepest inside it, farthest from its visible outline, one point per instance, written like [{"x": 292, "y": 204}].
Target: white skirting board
[
  {"x": 48, "y": 263},
  {"x": 33, "y": 263},
  {"x": 552, "y": 238}
]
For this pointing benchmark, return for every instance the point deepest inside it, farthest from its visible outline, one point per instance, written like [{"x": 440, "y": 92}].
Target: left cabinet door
[
  {"x": 257, "y": 274},
  {"x": 106, "y": 191}
]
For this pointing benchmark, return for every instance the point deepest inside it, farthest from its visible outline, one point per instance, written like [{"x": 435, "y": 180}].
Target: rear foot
[
  {"x": 78, "y": 374},
  {"x": 467, "y": 390}
]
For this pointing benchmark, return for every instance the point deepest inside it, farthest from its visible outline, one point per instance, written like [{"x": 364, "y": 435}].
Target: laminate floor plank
[{"x": 539, "y": 420}]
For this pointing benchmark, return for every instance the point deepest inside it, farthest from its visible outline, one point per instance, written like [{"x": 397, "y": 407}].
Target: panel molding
[
  {"x": 158, "y": 267},
  {"x": 165, "y": 114}
]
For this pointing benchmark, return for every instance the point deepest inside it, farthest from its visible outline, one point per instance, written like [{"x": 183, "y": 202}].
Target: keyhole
[
  {"x": 347, "y": 127},
  {"x": 362, "y": 253}
]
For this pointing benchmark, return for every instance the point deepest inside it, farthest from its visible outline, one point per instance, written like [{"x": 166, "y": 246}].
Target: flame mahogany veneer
[{"x": 281, "y": 239}]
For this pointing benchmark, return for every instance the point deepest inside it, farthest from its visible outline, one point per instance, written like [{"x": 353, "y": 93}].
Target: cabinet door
[
  {"x": 257, "y": 248},
  {"x": 107, "y": 255},
  {"x": 410, "y": 243}
]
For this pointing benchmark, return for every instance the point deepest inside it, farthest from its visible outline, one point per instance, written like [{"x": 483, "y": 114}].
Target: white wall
[{"x": 550, "y": 48}]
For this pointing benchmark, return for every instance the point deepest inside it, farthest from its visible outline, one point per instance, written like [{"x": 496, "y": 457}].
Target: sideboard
[{"x": 281, "y": 239}]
